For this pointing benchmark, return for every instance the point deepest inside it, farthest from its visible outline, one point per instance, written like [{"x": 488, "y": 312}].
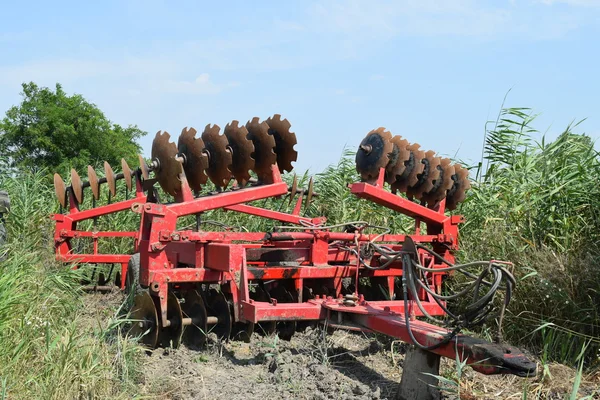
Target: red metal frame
[{"x": 172, "y": 259}]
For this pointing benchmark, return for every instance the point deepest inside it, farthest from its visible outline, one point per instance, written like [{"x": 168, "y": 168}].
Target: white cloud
[{"x": 203, "y": 79}]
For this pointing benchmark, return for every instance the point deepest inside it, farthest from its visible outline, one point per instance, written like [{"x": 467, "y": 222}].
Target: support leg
[{"x": 415, "y": 384}]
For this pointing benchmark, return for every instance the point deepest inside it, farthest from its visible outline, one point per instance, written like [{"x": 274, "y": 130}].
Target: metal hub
[{"x": 374, "y": 153}]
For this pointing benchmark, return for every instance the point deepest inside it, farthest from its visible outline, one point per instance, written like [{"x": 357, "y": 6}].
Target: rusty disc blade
[
  {"x": 458, "y": 191},
  {"x": 169, "y": 169},
  {"x": 126, "y": 173},
  {"x": 309, "y": 193},
  {"x": 143, "y": 167},
  {"x": 219, "y": 156},
  {"x": 193, "y": 307},
  {"x": 110, "y": 179},
  {"x": 170, "y": 336},
  {"x": 60, "y": 190},
  {"x": 93, "y": 180},
  {"x": 241, "y": 151},
  {"x": 294, "y": 189},
  {"x": 284, "y": 142},
  {"x": 264, "y": 148},
  {"x": 374, "y": 153},
  {"x": 196, "y": 160},
  {"x": 76, "y": 187},
  {"x": 427, "y": 177},
  {"x": 145, "y": 319},
  {"x": 413, "y": 167},
  {"x": 398, "y": 159},
  {"x": 442, "y": 184}
]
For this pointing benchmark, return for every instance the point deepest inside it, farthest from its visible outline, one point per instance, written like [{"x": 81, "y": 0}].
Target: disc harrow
[
  {"x": 407, "y": 169},
  {"x": 193, "y": 284}
]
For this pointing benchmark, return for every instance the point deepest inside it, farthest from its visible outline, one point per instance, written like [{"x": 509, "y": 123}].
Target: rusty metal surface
[
  {"x": 374, "y": 153},
  {"x": 169, "y": 169},
  {"x": 242, "y": 149},
  {"x": 264, "y": 148},
  {"x": 126, "y": 173},
  {"x": 195, "y": 158},
  {"x": 60, "y": 190},
  {"x": 143, "y": 167},
  {"x": 414, "y": 167},
  {"x": 219, "y": 156},
  {"x": 110, "y": 179},
  {"x": 93, "y": 181},
  {"x": 398, "y": 159},
  {"x": 459, "y": 188},
  {"x": 76, "y": 186},
  {"x": 285, "y": 140}
]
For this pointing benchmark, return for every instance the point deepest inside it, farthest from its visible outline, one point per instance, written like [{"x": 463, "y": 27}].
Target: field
[{"x": 533, "y": 202}]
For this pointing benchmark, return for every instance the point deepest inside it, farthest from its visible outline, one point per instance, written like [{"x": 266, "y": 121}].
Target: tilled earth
[{"x": 315, "y": 365}]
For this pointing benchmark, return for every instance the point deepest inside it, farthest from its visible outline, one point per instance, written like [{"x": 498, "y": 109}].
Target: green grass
[{"x": 48, "y": 348}]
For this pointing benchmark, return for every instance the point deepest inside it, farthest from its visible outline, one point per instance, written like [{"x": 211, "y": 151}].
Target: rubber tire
[{"x": 132, "y": 278}]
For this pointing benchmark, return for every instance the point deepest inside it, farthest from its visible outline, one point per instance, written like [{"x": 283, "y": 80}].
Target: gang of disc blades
[
  {"x": 374, "y": 153},
  {"x": 126, "y": 174},
  {"x": 193, "y": 307},
  {"x": 76, "y": 187},
  {"x": 458, "y": 191},
  {"x": 218, "y": 307},
  {"x": 219, "y": 156},
  {"x": 264, "y": 148},
  {"x": 110, "y": 179},
  {"x": 169, "y": 168},
  {"x": 414, "y": 167},
  {"x": 196, "y": 159},
  {"x": 145, "y": 319},
  {"x": 93, "y": 180},
  {"x": 442, "y": 184},
  {"x": 239, "y": 330},
  {"x": 143, "y": 167},
  {"x": 170, "y": 336},
  {"x": 284, "y": 142},
  {"x": 60, "y": 190},
  {"x": 242, "y": 149},
  {"x": 427, "y": 177},
  {"x": 398, "y": 159}
]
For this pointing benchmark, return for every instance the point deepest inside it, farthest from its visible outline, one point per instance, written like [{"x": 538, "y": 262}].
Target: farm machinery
[{"x": 189, "y": 281}]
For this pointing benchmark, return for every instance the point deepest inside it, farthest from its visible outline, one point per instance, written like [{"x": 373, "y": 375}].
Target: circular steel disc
[
  {"x": 264, "y": 148},
  {"x": 414, "y": 167},
  {"x": 294, "y": 189},
  {"x": 219, "y": 156},
  {"x": 427, "y": 177},
  {"x": 309, "y": 193},
  {"x": 170, "y": 336},
  {"x": 458, "y": 191},
  {"x": 196, "y": 160},
  {"x": 240, "y": 330},
  {"x": 241, "y": 152},
  {"x": 194, "y": 335},
  {"x": 400, "y": 155},
  {"x": 76, "y": 187},
  {"x": 442, "y": 184},
  {"x": 60, "y": 190},
  {"x": 93, "y": 180},
  {"x": 143, "y": 167},
  {"x": 110, "y": 179},
  {"x": 217, "y": 304},
  {"x": 169, "y": 169},
  {"x": 374, "y": 153},
  {"x": 284, "y": 142},
  {"x": 126, "y": 173},
  {"x": 144, "y": 311}
]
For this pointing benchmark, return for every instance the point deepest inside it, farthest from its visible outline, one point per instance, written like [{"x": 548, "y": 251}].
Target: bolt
[
  {"x": 367, "y": 148},
  {"x": 141, "y": 325}
]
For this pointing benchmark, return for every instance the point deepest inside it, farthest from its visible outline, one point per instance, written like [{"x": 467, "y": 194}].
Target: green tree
[{"x": 53, "y": 130}]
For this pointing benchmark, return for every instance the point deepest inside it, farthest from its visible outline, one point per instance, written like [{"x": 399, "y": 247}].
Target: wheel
[{"x": 132, "y": 279}]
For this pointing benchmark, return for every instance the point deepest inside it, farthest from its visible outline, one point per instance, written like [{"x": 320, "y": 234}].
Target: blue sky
[{"x": 432, "y": 71}]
